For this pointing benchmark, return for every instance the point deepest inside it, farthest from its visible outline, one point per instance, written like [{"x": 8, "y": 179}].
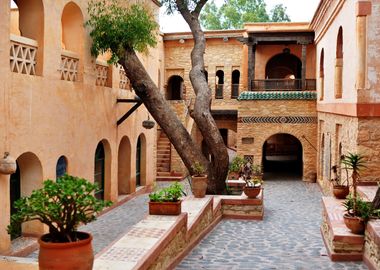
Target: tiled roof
[{"x": 279, "y": 95}]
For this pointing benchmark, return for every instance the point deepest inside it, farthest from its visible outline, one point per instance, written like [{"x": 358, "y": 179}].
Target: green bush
[
  {"x": 236, "y": 164},
  {"x": 171, "y": 193},
  {"x": 198, "y": 169},
  {"x": 62, "y": 205},
  {"x": 364, "y": 209}
]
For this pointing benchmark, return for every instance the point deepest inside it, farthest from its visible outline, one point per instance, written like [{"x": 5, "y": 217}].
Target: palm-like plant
[{"x": 355, "y": 162}]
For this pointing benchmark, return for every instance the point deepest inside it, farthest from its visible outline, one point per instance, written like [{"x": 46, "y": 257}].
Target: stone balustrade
[
  {"x": 23, "y": 53},
  {"x": 101, "y": 73},
  {"x": 69, "y": 66},
  {"x": 124, "y": 82}
]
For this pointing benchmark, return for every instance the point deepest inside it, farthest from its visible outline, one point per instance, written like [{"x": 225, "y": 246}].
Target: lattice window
[
  {"x": 69, "y": 66},
  {"x": 249, "y": 158},
  {"x": 101, "y": 74},
  {"x": 124, "y": 81},
  {"x": 23, "y": 56}
]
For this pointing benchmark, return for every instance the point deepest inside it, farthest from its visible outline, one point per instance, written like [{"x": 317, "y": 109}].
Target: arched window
[
  {"x": 175, "y": 88},
  {"x": 322, "y": 74},
  {"x": 72, "y": 43},
  {"x": 206, "y": 75},
  {"x": 27, "y": 20},
  {"x": 61, "y": 167},
  {"x": 339, "y": 64},
  {"x": 235, "y": 83},
  {"x": 219, "y": 84},
  {"x": 99, "y": 172}
]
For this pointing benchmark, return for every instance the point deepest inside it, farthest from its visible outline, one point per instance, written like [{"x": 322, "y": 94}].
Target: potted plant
[
  {"x": 199, "y": 180},
  {"x": 166, "y": 201},
  {"x": 62, "y": 205},
  {"x": 353, "y": 219},
  {"x": 340, "y": 188},
  {"x": 234, "y": 167},
  {"x": 356, "y": 221},
  {"x": 253, "y": 187},
  {"x": 257, "y": 171}
]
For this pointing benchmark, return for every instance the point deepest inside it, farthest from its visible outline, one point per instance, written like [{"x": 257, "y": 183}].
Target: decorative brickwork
[
  {"x": 23, "y": 56},
  {"x": 285, "y": 95},
  {"x": 101, "y": 74},
  {"x": 280, "y": 120},
  {"x": 69, "y": 66}
]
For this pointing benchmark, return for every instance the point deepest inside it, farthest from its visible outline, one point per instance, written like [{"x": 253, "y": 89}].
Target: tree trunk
[
  {"x": 161, "y": 110},
  {"x": 218, "y": 168},
  {"x": 376, "y": 200}
]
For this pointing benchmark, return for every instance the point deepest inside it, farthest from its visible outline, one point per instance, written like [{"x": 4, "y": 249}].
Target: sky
[{"x": 298, "y": 11}]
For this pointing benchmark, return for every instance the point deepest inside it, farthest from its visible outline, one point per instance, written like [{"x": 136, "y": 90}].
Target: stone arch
[
  {"x": 28, "y": 177},
  {"x": 322, "y": 74},
  {"x": 27, "y": 20},
  {"x": 175, "y": 88},
  {"x": 339, "y": 64},
  {"x": 141, "y": 156},
  {"x": 282, "y": 152},
  {"x": 124, "y": 166},
  {"x": 102, "y": 169},
  {"x": 283, "y": 66},
  {"x": 61, "y": 167}
]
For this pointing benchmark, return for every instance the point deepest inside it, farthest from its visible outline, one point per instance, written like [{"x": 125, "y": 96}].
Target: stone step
[{"x": 169, "y": 178}]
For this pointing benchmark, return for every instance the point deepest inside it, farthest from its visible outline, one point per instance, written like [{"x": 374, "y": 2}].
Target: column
[
  {"x": 251, "y": 64},
  {"x": 303, "y": 70},
  {"x": 5, "y": 240}
]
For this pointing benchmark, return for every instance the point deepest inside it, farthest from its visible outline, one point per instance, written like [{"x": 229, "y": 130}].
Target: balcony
[
  {"x": 101, "y": 73},
  {"x": 69, "y": 66},
  {"x": 23, "y": 55},
  {"x": 283, "y": 85},
  {"x": 235, "y": 91},
  {"x": 219, "y": 91}
]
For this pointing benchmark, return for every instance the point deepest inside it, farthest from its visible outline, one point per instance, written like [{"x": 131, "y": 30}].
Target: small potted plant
[
  {"x": 353, "y": 218},
  {"x": 257, "y": 171},
  {"x": 340, "y": 188},
  {"x": 253, "y": 187},
  {"x": 199, "y": 180},
  {"x": 63, "y": 206},
  {"x": 357, "y": 220},
  {"x": 234, "y": 168},
  {"x": 166, "y": 201}
]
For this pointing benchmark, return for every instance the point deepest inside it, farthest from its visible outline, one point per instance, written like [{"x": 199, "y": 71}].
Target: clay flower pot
[
  {"x": 252, "y": 192},
  {"x": 233, "y": 176},
  {"x": 7, "y": 164},
  {"x": 341, "y": 192},
  {"x": 165, "y": 208},
  {"x": 199, "y": 186},
  {"x": 355, "y": 224},
  {"x": 66, "y": 256}
]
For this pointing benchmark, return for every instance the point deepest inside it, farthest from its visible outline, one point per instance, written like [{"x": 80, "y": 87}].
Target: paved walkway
[{"x": 287, "y": 238}]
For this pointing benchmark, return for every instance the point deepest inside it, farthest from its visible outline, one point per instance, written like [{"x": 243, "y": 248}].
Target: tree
[
  {"x": 125, "y": 30},
  {"x": 234, "y": 13}
]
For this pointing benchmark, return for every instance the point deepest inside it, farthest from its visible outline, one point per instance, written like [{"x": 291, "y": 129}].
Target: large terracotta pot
[
  {"x": 341, "y": 192},
  {"x": 355, "y": 224},
  {"x": 165, "y": 208},
  {"x": 66, "y": 256},
  {"x": 199, "y": 186},
  {"x": 252, "y": 192}
]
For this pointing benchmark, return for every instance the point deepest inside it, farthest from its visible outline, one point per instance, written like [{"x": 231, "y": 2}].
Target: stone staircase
[{"x": 163, "y": 160}]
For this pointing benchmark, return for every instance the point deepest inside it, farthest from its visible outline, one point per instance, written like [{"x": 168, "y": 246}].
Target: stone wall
[{"x": 261, "y": 128}]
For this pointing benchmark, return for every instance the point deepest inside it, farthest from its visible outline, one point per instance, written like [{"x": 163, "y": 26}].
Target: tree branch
[{"x": 198, "y": 8}]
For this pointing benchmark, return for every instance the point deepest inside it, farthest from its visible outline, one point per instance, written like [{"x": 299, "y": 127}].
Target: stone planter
[
  {"x": 199, "y": 186},
  {"x": 355, "y": 224},
  {"x": 341, "y": 192},
  {"x": 233, "y": 176},
  {"x": 165, "y": 208},
  {"x": 66, "y": 256},
  {"x": 252, "y": 192}
]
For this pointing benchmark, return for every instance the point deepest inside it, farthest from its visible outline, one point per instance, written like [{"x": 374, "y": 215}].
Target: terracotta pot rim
[
  {"x": 177, "y": 202},
  {"x": 348, "y": 216},
  {"x": 340, "y": 186},
  {"x": 252, "y": 187},
  {"x": 201, "y": 176},
  {"x": 66, "y": 244}
]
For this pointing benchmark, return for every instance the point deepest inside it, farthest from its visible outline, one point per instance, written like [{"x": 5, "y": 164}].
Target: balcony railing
[
  {"x": 69, "y": 66},
  {"x": 124, "y": 82},
  {"x": 101, "y": 73},
  {"x": 235, "y": 91},
  {"x": 282, "y": 85},
  {"x": 219, "y": 91},
  {"x": 23, "y": 55}
]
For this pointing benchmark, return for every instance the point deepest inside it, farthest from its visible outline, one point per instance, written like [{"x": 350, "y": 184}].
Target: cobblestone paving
[{"x": 287, "y": 238}]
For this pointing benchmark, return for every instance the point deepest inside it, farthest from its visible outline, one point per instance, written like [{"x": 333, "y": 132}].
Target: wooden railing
[
  {"x": 283, "y": 85},
  {"x": 219, "y": 91},
  {"x": 234, "y": 90},
  {"x": 23, "y": 53}
]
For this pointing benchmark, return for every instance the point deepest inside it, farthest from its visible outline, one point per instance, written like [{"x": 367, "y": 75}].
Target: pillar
[
  {"x": 5, "y": 240},
  {"x": 251, "y": 64},
  {"x": 303, "y": 70}
]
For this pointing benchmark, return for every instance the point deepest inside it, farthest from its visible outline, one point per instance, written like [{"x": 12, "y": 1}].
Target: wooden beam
[{"x": 127, "y": 114}]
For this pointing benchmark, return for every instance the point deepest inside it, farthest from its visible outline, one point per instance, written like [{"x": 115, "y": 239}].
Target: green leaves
[
  {"x": 234, "y": 13},
  {"x": 116, "y": 26},
  {"x": 169, "y": 194},
  {"x": 62, "y": 205},
  {"x": 354, "y": 161}
]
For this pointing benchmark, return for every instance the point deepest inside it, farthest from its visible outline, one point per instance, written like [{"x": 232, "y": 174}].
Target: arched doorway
[
  {"x": 283, "y": 66},
  {"x": 124, "y": 166},
  {"x": 282, "y": 153},
  {"x": 27, "y": 178},
  {"x": 99, "y": 172},
  {"x": 15, "y": 194},
  {"x": 175, "y": 88}
]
